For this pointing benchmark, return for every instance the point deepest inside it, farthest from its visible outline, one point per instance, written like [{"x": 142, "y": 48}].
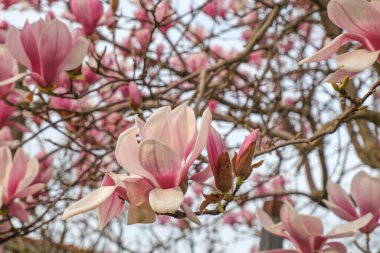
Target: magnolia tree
[{"x": 190, "y": 126}]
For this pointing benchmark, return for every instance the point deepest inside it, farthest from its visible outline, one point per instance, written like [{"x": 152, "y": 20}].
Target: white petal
[
  {"x": 356, "y": 60},
  {"x": 166, "y": 200}
]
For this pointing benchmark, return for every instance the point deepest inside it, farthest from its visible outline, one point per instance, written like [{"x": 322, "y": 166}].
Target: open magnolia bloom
[
  {"x": 16, "y": 181},
  {"x": 306, "y": 232},
  {"x": 110, "y": 200},
  {"x": 47, "y": 49},
  {"x": 365, "y": 191},
  {"x": 169, "y": 142},
  {"x": 361, "y": 20}
]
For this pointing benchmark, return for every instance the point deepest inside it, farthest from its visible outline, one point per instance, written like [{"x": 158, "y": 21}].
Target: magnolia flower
[
  {"x": 242, "y": 162},
  {"x": 16, "y": 180},
  {"x": 47, "y": 49},
  {"x": 365, "y": 191},
  {"x": 169, "y": 144},
  {"x": 360, "y": 19},
  {"x": 110, "y": 200},
  {"x": 306, "y": 232},
  {"x": 88, "y": 13}
]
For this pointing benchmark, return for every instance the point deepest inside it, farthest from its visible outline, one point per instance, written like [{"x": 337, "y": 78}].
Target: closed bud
[
  {"x": 223, "y": 177},
  {"x": 134, "y": 96},
  {"x": 243, "y": 160}
]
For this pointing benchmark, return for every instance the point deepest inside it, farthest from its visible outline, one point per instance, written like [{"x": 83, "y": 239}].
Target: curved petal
[
  {"x": 89, "y": 202},
  {"x": 200, "y": 143},
  {"x": 1, "y": 196},
  {"x": 203, "y": 175},
  {"x": 77, "y": 53},
  {"x": 339, "y": 198},
  {"x": 160, "y": 161},
  {"x": 365, "y": 191},
  {"x": 29, "y": 42},
  {"x": 138, "y": 191},
  {"x": 335, "y": 247},
  {"x": 157, "y": 126},
  {"x": 348, "y": 229},
  {"x": 29, "y": 191},
  {"x": 312, "y": 224},
  {"x": 338, "y": 211},
  {"x": 292, "y": 223},
  {"x": 15, "y": 47},
  {"x": 32, "y": 169},
  {"x": 166, "y": 200},
  {"x": 338, "y": 76},
  {"x": 126, "y": 154},
  {"x": 331, "y": 48},
  {"x": 56, "y": 43},
  {"x": 18, "y": 171},
  {"x": 359, "y": 17},
  {"x": 183, "y": 127},
  {"x": 13, "y": 79},
  {"x": 268, "y": 224},
  {"x": 356, "y": 60},
  {"x": 110, "y": 208}
]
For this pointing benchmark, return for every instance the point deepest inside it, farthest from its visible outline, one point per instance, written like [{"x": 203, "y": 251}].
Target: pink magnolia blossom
[
  {"x": 170, "y": 143},
  {"x": 365, "y": 191},
  {"x": 360, "y": 19},
  {"x": 196, "y": 62},
  {"x": 306, "y": 232},
  {"x": 215, "y": 148},
  {"x": 16, "y": 180},
  {"x": 47, "y": 49},
  {"x": 3, "y": 30},
  {"x": 216, "y": 8},
  {"x": 88, "y": 13},
  {"x": 110, "y": 200}
]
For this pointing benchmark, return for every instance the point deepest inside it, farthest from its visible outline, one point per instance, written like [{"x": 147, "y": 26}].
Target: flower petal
[
  {"x": 77, "y": 53},
  {"x": 331, "y": 48},
  {"x": 15, "y": 47},
  {"x": 18, "y": 171},
  {"x": 348, "y": 229},
  {"x": 356, "y": 60},
  {"x": 111, "y": 207},
  {"x": 338, "y": 76},
  {"x": 157, "y": 126},
  {"x": 141, "y": 214},
  {"x": 89, "y": 202},
  {"x": 160, "y": 161},
  {"x": 340, "y": 200},
  {"x": 126, "y": 154},
  {"x": 190, "y": 214},
  {"x": 166, "y": 200},
  {"x": 32, "y": 169},
  {"x": 6, "y": 164},
  {"x": 267, "y": 223}
]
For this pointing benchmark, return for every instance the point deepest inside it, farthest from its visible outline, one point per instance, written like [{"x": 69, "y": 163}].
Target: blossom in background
[
  {"x": 365, "y": 191},
  {"x": 47, "y": 49},
  {"x": 16, "y": 181},
  {"x": 360, "y": 19},
  {"x": 88, "y": 13},
  {"x": 169, "y": 144},
  {"x": 9, "y": 68},
  {"x": 306, "y": 232}
]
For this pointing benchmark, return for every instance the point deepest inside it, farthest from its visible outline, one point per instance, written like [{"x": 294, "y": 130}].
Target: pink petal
[
  {"x": 1, "y": 195},
  {"x": 160, "y": 161},
  {"x": 349, "y": 229},
  {"x": 339, "y": 198},
  {"x": 29, "y": 42},
  {"x": 338, "y": 211},
  {"x": 251, "y": 138},
  {"x": 365, "y": 191},
  {"x": 56, "y": 43},
  {"x": 157, "y": 126},
  {"x": 138, "y": 191},
  {"x": 166, "y": 200},
  {"x": 17, "y": 172},
  {"x": 215, "y": 148},
  {"x": 335, "y": 247},
  {"x": 18, "y": 210},
  {"x": 15, "y": 47},
  {"x": 111, "y": 207},
  {"x": 268, "y": 224},
  {"x": 184, "y": 128},
  {"x": 77, "y": 53},
  {"x": 312, "y": 224},
  {"x": 89, "y": 202},
  {"x": 338, "y": 76},
  {"x": 356, "y": 60},
  {"x": 299, "y": 235},
  {"x": 32, "y": 169},
  {"x": 199, "y": 144},
  {"x": 359, "y": 17},
  {"x": 331, "y": 48},
  {"x": 126, "y": 154},
  {"x": 29, "y": 191},
  {"x": 88, "y": 13}
]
